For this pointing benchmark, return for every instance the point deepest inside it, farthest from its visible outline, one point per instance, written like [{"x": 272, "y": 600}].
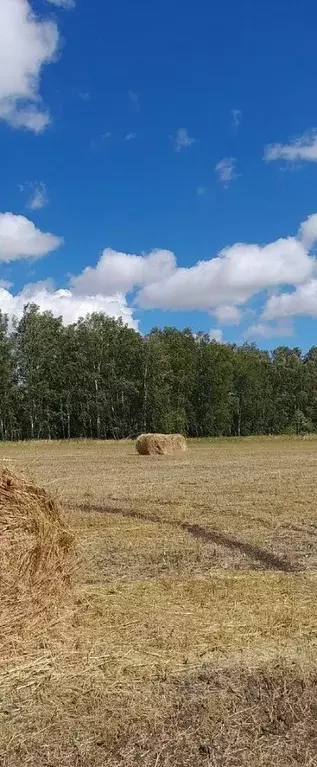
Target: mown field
[{"x": 193, "y": 637}]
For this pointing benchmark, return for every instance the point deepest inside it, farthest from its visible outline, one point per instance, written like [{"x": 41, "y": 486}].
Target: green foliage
[{"x": 99, "y": 379}]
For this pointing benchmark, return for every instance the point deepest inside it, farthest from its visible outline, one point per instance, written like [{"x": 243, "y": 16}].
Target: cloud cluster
[
  {"x": 19, "y": 239},
  {"x": 232, "y": 277},
  {"x": 63, "y": 303},
  {"x": 122, "y": 272},
  {"x": 26, "y": 45},
  {"x": 302, "y": 299},
  {"x": 222, "y": 285}
]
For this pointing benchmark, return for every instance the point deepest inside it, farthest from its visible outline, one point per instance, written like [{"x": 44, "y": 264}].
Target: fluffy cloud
[
  {"x": 228, "y": 315},
  {"x": 121, "y": 272},
  {"x": 19, "y": 238},
  {"x": 26, "y": 45},
  {"x": 308, "y": 231},
  {"x": 302, "y": 301},
  {"x": 183, "y": 140},
  {"x": 63, "y": 303},
  {"x": 238, "y": 273},
  {"x": 220, "y": 285},
  {"x": 302, "y": 148},
  {"x": 226, "y": 170}
]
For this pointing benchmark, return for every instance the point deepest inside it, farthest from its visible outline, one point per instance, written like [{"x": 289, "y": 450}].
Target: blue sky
[{"x": 159, "y": 163}]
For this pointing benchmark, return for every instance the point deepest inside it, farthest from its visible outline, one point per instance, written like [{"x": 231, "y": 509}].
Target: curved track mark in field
[
  {"x": 255, "y": 552},
  {"x": 268, "y": 559}
]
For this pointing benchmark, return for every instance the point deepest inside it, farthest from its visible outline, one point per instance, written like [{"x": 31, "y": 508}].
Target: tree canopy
[{"x": 100, "y": 379}]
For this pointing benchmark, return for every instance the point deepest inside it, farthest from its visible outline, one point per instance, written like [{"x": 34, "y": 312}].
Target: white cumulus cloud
[
  {"x": 236, "y": 274},
  {"x": 308, "y": 231},
  {"x": 122, "y": 272},
  {"x": 220, "y": 285},
  {"x": 228, "y": 315},
  {"x": 303, "y": 148},
  {"x": 63, "y": 303},
  {"x": 302, "y": 301},
  {"x": 26, "y": 45},
  {"x": 19, "y": 238}
]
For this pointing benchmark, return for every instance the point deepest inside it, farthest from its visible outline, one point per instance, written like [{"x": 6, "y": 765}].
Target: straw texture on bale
[
  {"x": 35, "y": 558},
  {"x": 160, "y": 444}
]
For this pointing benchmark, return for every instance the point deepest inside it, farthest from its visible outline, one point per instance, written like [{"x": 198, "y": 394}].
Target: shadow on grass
[{"x": 269, "y": 560}]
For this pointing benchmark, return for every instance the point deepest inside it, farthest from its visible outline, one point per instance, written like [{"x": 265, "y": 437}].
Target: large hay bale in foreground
[
  {"x": 161, "y": 444},
  {"x": 35, "y": 558}
]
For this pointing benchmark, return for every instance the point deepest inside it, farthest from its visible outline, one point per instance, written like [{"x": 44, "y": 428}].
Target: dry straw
[
  {"x": 160, "y": 444},
  {"x": 35, "y": 560}
]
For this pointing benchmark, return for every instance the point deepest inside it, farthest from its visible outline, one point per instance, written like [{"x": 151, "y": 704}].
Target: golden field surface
[{"x": 192, "y": 637}]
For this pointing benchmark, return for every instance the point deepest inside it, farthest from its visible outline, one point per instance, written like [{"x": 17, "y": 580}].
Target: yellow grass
[{"x": 193, "y": 637}]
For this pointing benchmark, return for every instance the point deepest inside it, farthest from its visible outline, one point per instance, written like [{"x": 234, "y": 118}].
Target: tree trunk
[{"x": 145, "y": 397}]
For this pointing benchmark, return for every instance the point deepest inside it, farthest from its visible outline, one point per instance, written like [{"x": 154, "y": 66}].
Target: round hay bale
[
  {"x": 35, "y": 556},
  {"x": 161, "y": 444}
]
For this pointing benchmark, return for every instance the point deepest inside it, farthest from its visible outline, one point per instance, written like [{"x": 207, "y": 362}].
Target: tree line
[{"x": 98, "y": 378}]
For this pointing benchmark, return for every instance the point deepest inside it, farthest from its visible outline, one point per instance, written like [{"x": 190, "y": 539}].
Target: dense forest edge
[{"x": 100, "y": 379}]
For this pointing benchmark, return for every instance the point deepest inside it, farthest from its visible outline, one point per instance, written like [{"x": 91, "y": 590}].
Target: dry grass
[
  {"x": 193, "y": 639},
  {"x": 36, "y": 562}
]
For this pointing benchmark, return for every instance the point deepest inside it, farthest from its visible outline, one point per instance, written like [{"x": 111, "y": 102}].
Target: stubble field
[{"x": 192, "y": 638}]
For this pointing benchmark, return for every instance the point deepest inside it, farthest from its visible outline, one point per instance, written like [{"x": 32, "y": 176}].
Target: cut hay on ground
[
  {"x": 35, "y": 559},
  {"x": 161, "y": 444}
]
